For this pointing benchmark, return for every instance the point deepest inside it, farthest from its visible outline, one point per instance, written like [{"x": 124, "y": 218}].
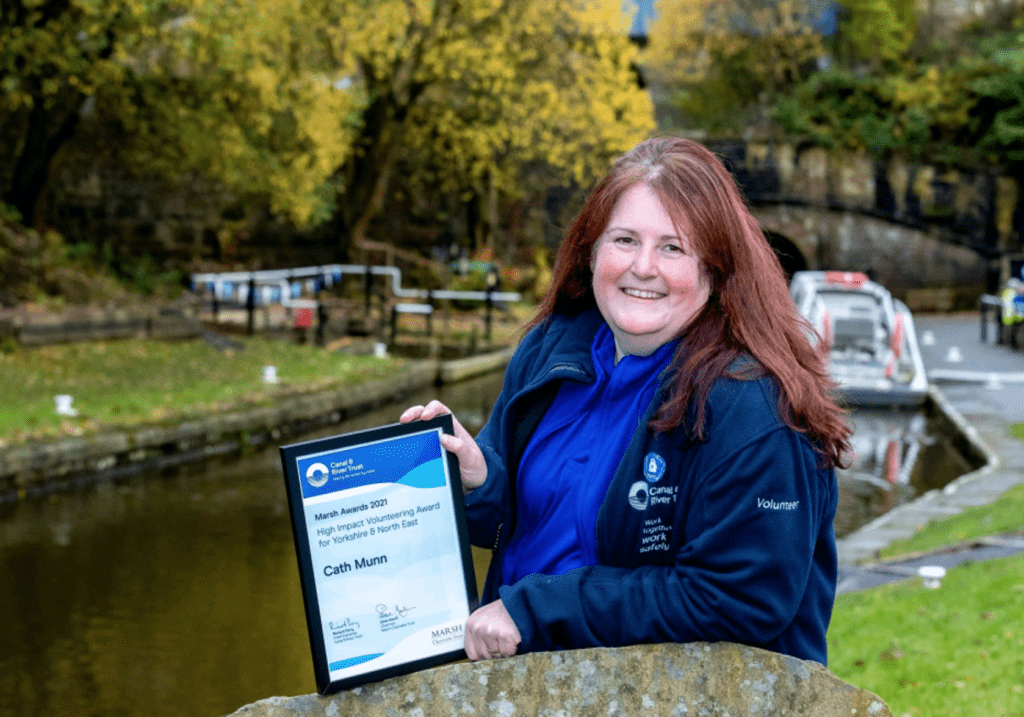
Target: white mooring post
[{"x": 64, "y": 407}]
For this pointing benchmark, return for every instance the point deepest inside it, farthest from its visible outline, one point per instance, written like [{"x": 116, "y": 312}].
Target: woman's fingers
[
  {"x": 471, "y": 460},
  {"x": 412, "y": 413},
  {"x": 491, "y": 633},
  {"x": 423, "y": 413}
]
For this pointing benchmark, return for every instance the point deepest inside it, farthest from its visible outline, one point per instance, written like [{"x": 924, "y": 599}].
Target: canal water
[{"x": 178, "y": 593}]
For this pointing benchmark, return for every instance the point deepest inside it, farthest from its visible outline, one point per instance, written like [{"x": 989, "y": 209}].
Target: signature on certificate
[
  {"x": 382, "y": 611},
  {"x": 349, "y": 622}
]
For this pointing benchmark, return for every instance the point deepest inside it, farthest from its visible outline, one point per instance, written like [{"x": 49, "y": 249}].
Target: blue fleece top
[
  {"x": 726, "y": 539},
  {"x": 565, "y": 472}
]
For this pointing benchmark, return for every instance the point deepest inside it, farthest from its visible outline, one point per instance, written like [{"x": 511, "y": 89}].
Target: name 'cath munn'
[{"x": 358, "y": 564}]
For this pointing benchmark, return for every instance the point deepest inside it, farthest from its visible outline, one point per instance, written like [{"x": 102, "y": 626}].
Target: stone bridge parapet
[{"x": 667, "y": 679}]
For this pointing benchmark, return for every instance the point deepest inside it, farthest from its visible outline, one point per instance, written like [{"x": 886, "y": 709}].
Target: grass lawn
[
  {"x": 122, "y": 383},
  {"x": 957, "y": 650},
  {"x": 125, "y": 383}
]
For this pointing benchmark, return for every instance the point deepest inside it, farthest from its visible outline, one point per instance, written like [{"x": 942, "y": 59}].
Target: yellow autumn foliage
[
  {"x": 282, "y": 97},
  {"x": 552, "y": 83},
  {"x": 775, "y": 42}
]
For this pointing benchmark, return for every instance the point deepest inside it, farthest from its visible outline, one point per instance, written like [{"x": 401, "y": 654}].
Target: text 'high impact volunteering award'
[{"x": 384, "y": 558}]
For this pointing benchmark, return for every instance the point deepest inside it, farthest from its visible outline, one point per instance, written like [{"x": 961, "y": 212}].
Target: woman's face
[{"x": 648, "y": 282}]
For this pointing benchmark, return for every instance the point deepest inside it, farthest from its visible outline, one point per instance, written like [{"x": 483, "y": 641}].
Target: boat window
[{"x": 853, "y": 333}]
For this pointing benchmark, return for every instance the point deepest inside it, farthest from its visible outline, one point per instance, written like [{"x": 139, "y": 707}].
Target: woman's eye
[
  {"x": 674, "y": 249},
  {"x": 623, "y": 240}
]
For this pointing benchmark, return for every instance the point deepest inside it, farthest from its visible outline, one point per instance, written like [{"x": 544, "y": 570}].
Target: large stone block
[{"x": 667, "y": 679}]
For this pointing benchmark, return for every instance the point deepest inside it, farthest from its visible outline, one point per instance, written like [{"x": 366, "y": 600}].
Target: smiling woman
[
  {"x": 648, "y": 283},
  {"x": 660, "y": 464}
]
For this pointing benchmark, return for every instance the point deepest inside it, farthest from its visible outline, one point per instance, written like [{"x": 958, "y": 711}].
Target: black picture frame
[{"x": 304, "y": 465}]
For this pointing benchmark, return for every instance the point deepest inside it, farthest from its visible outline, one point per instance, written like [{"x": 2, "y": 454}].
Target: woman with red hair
[{"x": 660, "y": 464}]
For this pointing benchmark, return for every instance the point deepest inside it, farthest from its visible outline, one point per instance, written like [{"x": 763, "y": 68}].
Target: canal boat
[{"x": 872, "y": 347}]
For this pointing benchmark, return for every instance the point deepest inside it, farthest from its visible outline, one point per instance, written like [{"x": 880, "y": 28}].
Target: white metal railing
[{"x": 285, "y": 285}]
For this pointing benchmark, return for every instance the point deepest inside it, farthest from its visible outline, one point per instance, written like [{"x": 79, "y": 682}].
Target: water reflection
[
  {"x": 165, "y": 595},
  {"x": 175, "y": 593}
]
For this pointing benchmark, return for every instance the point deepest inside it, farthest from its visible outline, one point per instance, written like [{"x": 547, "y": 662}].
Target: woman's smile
[{"x": 640, "y": 294}]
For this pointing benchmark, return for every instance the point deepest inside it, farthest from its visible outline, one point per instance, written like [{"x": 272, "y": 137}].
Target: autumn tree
[
  {"x": 477, "y": 90},
  {"x": 875, "y": 32},
  {"x": 553, "y": 107},
  {"x": 311, "y": 102},
  {"x": 54, "y": 56},
  {"x": 778, "y": 39},
  {"x": 191, "y": 86},
  {"x": 251, "y": 94},
  {"x": 724, "y": 55}
]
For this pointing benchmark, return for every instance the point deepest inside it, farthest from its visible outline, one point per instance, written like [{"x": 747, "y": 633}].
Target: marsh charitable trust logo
[{"x": 317, "y": 475}]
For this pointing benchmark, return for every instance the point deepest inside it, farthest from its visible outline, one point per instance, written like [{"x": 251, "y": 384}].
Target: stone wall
[
  {"x": 33, "y": 468},
  {"x": 656, "y": 680},
  {"x": 973, "y": 207},
  {"x": 36, "y": 328},
  {"x": 902, "y": 258},
  {"x": 194, "y": 222},
  {"x": 957, "y": 223}
]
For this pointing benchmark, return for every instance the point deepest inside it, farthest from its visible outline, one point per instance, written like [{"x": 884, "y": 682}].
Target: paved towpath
[
  {"x": 980, "y": 386},
  {"x": 976, "y": 377}
]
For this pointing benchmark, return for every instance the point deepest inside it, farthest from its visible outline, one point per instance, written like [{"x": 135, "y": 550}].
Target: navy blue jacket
[{"x": 727, "y": 539}]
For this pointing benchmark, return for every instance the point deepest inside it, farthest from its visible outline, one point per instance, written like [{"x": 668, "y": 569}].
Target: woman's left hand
[{"x": 491, "y": 633}]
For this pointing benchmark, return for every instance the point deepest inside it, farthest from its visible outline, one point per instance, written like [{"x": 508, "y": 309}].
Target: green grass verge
[
  {"x": 125, "y": 383},
  {"x": 957, "y": 650},
  {"x": 1006, "y": 515}
]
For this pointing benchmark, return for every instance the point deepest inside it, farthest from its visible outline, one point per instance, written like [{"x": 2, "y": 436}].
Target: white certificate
[{"x": 384, "y": 558}]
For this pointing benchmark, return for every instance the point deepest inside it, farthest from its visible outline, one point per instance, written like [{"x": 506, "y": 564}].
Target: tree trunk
[
  {"x": 367, "y": 174},
  {"x": 45, "y": 132}
]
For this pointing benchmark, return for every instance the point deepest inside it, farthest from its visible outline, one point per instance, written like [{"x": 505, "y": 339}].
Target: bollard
[
  {"x": 64, "y": 405},
  {"x": 931, "y": 576}
]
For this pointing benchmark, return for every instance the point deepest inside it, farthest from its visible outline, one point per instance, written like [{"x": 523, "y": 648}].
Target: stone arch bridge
[
  {"x": 910, "y": 227},
  {"x": 901, "y": 257}
]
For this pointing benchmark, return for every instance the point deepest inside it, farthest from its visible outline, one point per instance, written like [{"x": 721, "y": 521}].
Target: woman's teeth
[{"x": 642, "y": 294}]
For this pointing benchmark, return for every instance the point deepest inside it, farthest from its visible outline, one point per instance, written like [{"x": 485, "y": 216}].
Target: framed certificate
[{"x": 384, "y": 558}]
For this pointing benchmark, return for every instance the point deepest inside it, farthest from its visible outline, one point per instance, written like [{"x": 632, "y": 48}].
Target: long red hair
[{"x": 749, "y": 310}]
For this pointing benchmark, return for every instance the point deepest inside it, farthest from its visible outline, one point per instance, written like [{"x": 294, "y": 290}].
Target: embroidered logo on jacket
[
  {"x": 638, "y": 495},
  {"x": 654, "y": 467}
]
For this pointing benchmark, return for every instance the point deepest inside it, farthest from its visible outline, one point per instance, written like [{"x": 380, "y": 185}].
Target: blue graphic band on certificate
[{"x": 385, "y": 551}]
